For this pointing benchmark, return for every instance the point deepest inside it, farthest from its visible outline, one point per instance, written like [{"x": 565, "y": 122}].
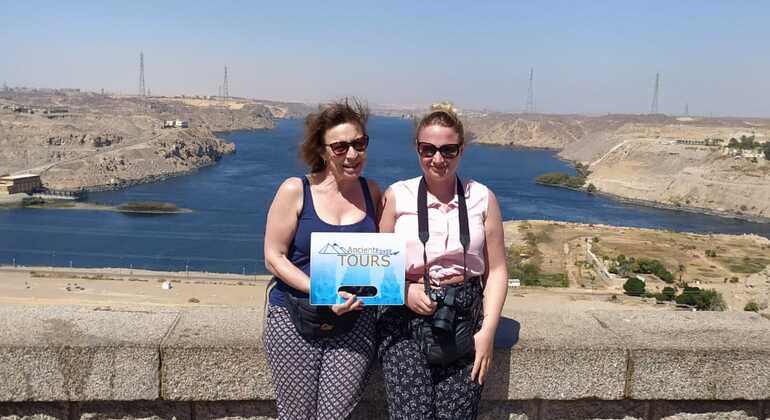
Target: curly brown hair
[
  {"x": 442, "y": 114},
  {"x": 348, "y": 110}
]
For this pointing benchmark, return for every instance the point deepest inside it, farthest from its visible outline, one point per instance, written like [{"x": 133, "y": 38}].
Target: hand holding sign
[
  {"x": 341, "y": 263},
  {"x": 351, "y": 304}
]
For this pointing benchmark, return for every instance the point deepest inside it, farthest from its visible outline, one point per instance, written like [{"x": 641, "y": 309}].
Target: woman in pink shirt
[{"x": 465, "y": 279}]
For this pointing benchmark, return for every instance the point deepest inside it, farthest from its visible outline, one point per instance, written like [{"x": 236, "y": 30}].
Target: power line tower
[
  {"x": 226, "y": 87},
  {"x": 142, "y": 89},
  {"x": 529, "y": 108},
  {"x": 654, "y": 107}
]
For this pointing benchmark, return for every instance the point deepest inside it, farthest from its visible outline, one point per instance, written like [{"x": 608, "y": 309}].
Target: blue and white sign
[{"x": 372, "y": 260}]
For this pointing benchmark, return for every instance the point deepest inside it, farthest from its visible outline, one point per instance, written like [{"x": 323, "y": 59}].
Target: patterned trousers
[
  {"x": 416, "y": 389},
  {"x": 318, "y": 378}
]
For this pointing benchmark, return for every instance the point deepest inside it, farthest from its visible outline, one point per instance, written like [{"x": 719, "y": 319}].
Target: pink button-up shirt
[{"x": 444, "y": 251}]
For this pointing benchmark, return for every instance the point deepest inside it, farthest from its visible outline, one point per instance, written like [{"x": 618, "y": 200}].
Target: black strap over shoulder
[{"x": 424, "y": 232}]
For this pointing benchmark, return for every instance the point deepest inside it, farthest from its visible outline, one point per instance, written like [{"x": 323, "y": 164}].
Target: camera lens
[{"x": 444, "y": 318}]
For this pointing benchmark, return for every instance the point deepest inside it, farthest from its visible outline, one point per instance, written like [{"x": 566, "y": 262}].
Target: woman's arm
[
  {"x": 495, "y": 291},
  {"x": 279, "y": 232}
]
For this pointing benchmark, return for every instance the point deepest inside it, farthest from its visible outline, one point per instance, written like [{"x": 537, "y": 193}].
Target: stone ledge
[
  {"x": 489, "y": 410},
  {"x": 69, "y": 353},
  {"x": 73, "y": 353}
]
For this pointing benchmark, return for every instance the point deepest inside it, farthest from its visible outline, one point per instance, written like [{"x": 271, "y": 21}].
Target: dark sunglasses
[
  {"x": 360, "y": 144},
  {"x": 448, "y": 151}
]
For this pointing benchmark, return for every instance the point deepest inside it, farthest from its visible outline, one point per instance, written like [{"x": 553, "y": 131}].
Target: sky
[{"x": 590, "y": 57}]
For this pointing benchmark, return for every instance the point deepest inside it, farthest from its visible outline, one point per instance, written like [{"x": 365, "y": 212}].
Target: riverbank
[{"x": 664, "y": 206}]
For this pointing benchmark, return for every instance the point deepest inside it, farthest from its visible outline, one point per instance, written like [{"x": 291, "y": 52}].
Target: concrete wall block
[
  {"x": 34, "y": 411},
  {"x": 79, "y": 373},
  {"x": 214, "y": 374},
  {"x": 509, "y": 410},
  {"x": 70, "y": 353},
  {"x": 706, "y": 410},
  {"x": 693, "y": 355},
  {"x": 699, "y": 374},
  {"x": 557, "y": 374},
  {"x": 594, "y": 409},
  {"x": 135, "y": 410},
  {"x": 235, "y": 410},
  {"x": 216, "y": 354}
]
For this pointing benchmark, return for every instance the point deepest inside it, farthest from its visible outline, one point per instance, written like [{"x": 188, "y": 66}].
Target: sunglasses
[
  {"x": 340, "y": 148},
  {"x": 448, "y": 151}
]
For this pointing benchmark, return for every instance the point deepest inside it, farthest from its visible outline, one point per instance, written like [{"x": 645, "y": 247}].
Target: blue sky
[{"x": 588, "y": 57}]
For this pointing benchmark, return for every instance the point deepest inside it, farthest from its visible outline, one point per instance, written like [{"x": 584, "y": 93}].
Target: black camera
[{"x": 443, "y": 319}]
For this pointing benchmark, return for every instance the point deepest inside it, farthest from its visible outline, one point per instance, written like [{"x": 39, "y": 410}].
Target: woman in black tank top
[{"x": 319, "y": 377}]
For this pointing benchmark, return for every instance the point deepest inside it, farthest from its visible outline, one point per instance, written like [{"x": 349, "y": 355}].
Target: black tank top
[{"x": 309, "y": 222}]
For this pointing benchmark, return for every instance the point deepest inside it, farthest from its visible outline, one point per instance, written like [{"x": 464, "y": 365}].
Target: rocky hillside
[
  {"x": 637, "y": 157},
  {"x": 173, "y": 152},
  {"x": 87, "y": 140}
]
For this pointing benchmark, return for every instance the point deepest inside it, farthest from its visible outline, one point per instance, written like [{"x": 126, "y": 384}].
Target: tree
[
  {"x": 682, "y": 269},
  {"x": 668, "y": 293},
  {"x": 634, "y": 287},
  {"x": 733, "y": 143},
  {"x": 767, "y": 150},
  {"x": 751, "y": 307},
  {"x": 592, "y": 188}
]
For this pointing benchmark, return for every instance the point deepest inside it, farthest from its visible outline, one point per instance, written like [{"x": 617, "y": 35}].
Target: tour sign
[{"x": 370, "y": 265}]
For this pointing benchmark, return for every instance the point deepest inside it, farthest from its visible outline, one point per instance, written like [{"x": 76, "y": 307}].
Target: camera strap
[{"x": 424, "y": 233}]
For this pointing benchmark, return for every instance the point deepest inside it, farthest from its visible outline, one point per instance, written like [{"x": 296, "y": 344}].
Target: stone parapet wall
[{"x": 73, "y": 362}]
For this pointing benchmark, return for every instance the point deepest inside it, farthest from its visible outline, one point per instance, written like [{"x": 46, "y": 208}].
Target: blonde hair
[{"x": 443, "y": 114}]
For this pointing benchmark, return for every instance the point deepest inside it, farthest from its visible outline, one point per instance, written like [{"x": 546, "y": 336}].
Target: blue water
[{"x": 224, "y": 233}]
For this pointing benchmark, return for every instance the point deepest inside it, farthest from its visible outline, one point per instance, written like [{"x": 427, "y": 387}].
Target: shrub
[
  {"x": 668, "y": 294},
  {"x": 704, "y": 300},
  {"x": 562, "y": 179},
  {"x": 592, "y": 188},
  {"x": 751, "y": 307},
  {"x": 634, "y": 287}
]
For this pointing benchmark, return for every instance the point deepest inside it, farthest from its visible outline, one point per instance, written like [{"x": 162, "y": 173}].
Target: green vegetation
[
  {"x": 751, "y": 307},
  {"x": 634, "y": 287},
  {"x": 667, "y": 295},
  {"x": 40, "y": 202},
  {"x": 591, "y": 188},
  {"x": 703, "y": 300},
  {"x": 625, "y": 267},
  {"x": 148, "y": 207},
  {"x": 711, "y": 253},
  {"x": 523, "y": 262},
  {"x": 582, "y": 170},
  {"x": 32, "y": 201},
  {"x": 561, "y": 179},
  {"x": 749, "y": 143},
  {"x": 746, "y": 265}
]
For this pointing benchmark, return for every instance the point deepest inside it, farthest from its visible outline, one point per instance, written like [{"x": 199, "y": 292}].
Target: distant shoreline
[{"x": 655, "y": 204}]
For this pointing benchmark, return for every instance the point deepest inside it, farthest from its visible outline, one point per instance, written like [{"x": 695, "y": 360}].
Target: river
[{"x": 224, "y": 232}]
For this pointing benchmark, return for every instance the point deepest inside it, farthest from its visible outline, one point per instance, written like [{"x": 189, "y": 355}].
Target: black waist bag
[{"x": 318, "y": 321}]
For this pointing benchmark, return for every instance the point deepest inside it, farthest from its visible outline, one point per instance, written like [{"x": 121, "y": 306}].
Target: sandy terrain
[
  {"x": 740, "y": 270},
  {"x": 118, "y": 287}
]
